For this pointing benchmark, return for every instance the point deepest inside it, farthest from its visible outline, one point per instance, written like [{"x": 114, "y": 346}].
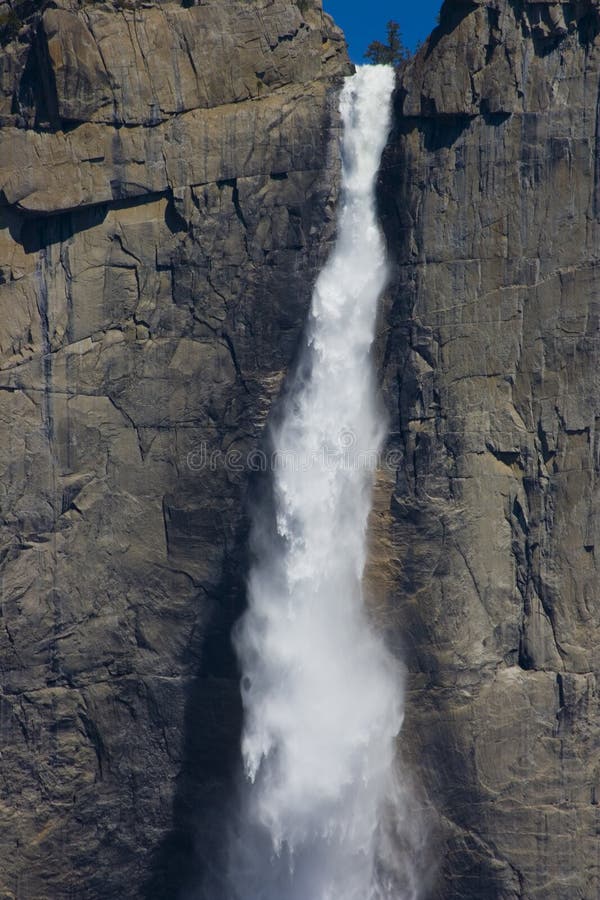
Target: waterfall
[{"x": 322, "y": 695}]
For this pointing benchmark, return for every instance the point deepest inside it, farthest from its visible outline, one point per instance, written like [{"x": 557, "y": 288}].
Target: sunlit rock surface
[
  {"x": 491, "y": 353},
  {"x": 168, "y": 182}
]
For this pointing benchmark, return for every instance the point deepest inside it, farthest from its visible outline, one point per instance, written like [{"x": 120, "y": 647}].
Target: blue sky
[{"x": 364, "y": 20}]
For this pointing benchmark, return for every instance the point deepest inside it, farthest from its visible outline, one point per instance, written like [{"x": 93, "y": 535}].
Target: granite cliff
[
  {"x": 168, "y": 177},
  {"x": 490, "y": 354}
]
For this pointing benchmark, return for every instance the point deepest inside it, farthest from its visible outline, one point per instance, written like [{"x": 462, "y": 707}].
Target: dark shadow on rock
[
  {"x": 192, "y": 862},
  {"x": 173, "y": 218},
  {"x": 588, "y": 28},
  {"x": 451, "y": 14},
  {"x": 493, "y": 118},
  {"x": 35, "y": 232},
  {"x": 441, "y": 132},
  {"x": 192, "y": 858},
  {"x": 36, "y": 100}
]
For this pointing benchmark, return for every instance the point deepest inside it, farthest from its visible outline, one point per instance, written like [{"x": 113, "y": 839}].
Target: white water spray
[{"x": 322, "y": 695}]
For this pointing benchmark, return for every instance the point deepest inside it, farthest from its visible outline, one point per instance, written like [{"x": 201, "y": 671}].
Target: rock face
[
  {"x": 167, "y": 182},
  {"x": 491, "y": 352}
]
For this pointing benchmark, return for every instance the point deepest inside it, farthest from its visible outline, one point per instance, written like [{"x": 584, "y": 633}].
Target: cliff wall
[
  {"x": 168, "y": 177},
  {"x": 491, "y": 352}
]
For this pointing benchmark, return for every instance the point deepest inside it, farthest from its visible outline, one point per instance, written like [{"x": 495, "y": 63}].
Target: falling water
[{"x": 322, "y": 695}]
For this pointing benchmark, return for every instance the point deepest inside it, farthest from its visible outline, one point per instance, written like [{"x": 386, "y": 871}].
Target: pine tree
[{"x": 394, "y": 53}]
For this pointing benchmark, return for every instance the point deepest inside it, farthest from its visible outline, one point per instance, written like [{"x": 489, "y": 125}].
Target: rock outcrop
[
  {"x": 491, "y": 356},
  {"x": 167, "y": 182}
]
